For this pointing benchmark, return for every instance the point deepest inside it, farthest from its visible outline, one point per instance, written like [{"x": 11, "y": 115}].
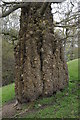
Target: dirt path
[{"x": 8, "y": 110}]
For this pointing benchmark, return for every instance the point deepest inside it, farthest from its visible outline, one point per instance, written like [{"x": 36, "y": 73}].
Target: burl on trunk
[{"x": 40, "y": 68}]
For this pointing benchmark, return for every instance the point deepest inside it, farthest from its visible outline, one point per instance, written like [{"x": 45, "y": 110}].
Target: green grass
[
  {"x": 8, "y": 93},
  {"x": 61, "y": 105},
  {"x": 73, "y": 67}
]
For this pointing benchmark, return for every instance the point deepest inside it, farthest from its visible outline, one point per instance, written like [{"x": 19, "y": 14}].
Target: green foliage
[
  {"x": 7, "y": 62},
  {"x": 7, "y": 49},
  {"x": 13, "y": 33},
  {"x": 10, "y": 35}
]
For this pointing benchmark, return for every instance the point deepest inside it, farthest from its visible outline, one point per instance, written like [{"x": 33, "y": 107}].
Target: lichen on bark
[{"x": 40, "y": 68}]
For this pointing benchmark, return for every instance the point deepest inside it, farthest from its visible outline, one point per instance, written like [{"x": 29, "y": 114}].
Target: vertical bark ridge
[
  {"x": 47, "y": 65},
  {"x": 40, "y": 65}
]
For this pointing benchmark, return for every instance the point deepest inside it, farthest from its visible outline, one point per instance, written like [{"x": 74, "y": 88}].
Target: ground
[
  {"x": 63, "y": 104},
  {"x": 8, "y": 110}
]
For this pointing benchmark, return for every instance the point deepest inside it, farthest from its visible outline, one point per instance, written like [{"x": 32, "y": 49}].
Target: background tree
[
  {"x": 10, "y": 29},
  {"x": 69, "y": 11}
]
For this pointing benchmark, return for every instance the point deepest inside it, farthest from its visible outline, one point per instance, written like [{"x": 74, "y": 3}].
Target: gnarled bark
[{"x": 40, "y": 68}]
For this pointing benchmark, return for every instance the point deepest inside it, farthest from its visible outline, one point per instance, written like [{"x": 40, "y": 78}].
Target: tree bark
[{"x": 40, "y": 68}]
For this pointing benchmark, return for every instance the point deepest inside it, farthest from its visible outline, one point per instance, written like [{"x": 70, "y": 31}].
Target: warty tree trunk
[{"x": 40, "y": 68}]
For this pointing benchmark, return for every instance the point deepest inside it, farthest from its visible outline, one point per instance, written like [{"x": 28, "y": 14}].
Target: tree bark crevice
[{"x": 40, "y": 68}]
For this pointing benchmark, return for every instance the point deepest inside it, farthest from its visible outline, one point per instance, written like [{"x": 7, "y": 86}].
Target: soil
[{"x": 8, "y": 110}]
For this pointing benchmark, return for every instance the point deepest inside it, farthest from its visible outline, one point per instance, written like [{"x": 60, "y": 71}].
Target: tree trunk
[{"x": 40, "y": 68}]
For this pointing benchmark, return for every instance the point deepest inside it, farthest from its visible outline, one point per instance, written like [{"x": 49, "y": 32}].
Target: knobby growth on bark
[{"x": 40, "y": 68}]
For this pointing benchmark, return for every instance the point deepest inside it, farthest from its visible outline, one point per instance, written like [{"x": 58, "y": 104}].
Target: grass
[
  {"x": 8, "y": 93},
  {"x": 73, "y": 67},
  {"x": 61, "y": 105}
]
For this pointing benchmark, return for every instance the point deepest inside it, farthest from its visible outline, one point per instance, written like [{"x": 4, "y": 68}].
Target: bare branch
[
  {"x": 69, "y": 18},
  {"x": 72, "y": 3},
  {"x": 12, "y": 2},
  {"x": 15, "y": 7},
  {"x": 64, "y": 26}
]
